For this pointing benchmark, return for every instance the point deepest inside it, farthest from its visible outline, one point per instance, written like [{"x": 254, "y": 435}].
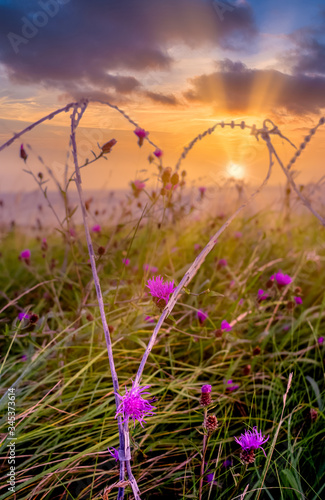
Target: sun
[{"x": 236, "y": 171}]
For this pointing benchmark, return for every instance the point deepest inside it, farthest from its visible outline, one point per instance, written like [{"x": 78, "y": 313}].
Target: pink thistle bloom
[
  {"x": 238, "y": 234},
  {"x": 202, "y": 190},
  {"x": 25, "y": 254},
  {"x": 133, "y": 405},
  {"x": 114, "y": 453},
  {"x": 150, "y": 269},
  {"x": 141, "y": 134},
  {"x": 222, "y": 263},
  {"x": 96, "y": 228},
  {"x": 23, "y": 315},
  {"x": 230, "y": 386},
  {"x": 126, "y": 262},
  {"x": 206, "y": 388},
  {"x": 201, "y": 316},
  {"x": 225, "y": 326},
  {"x": 252, "y": 440},
  {"x": 298, "y": 300},
  {"x": 139, "y": 185},
  {"x": 320, "y": 340},
  {"x": 261, "y": 295},
  {"x": 158, "y": 153},
  {"x": 282, "y": 279},
  {"x": 160, "y": 290}
]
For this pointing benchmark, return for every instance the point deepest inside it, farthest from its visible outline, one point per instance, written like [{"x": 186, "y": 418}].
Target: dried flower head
[
  {"x": 108, "y": 146},
  {"x": 133, "y": 405},
  {"x": 23, "y": 153},
  {"x": 211, "y": 423},
  {"x": 250, "y": 441},
  {"x": 160, "y": 291}
]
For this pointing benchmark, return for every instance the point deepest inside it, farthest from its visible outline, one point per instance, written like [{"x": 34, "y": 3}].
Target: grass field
[{"x": 55, "y": 361}]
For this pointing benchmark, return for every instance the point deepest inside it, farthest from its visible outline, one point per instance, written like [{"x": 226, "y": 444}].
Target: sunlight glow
[{"x": 236, "y": 171}]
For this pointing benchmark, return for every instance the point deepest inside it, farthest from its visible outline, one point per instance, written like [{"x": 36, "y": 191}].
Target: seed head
[{"x": 211, "y": 423}]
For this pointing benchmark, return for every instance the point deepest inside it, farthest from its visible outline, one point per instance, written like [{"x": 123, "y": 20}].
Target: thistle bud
[
  {"x": 174, "y": 179},
  {"x": 211, "y": 423},
  {"x": 247, "y": 456}
]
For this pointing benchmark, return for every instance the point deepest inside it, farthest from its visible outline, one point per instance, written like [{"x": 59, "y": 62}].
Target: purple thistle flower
[
  {"x": 25, "y": 254},
  {"x": 133, "y": 405},
  {"x": 252, "y": 440},
  {"x": 261, "y": 295},
  {"x": 22, "y": 316},
  {"x": 126, "y": 262},
  {"x": 160, "y": 290},
  {"x": 158, "y": 153},
  {"x": 201, "y": 316},
  {"x": 222, "y": 263},
  {"x": 114, "y": 453},
  {"x": 320, "y": 340},
  {"x": 282, "y": 279},
  {"x": 225, "y": 326},
  {"x": 206, "y": 388},
  {"x": 298, "y": 300},
  {"x": 96, "y": 228},
  {"x": 230, "y": 386}
]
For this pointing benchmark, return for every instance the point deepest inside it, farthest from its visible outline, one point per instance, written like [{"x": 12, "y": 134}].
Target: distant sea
[{"x": 30, "y": 210}]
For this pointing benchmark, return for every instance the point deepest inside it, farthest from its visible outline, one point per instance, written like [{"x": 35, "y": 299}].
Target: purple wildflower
[
  {"x": 202, "y": 190},
  {"x": 159, "y": 290},
  {"x": 201, "y": 316},
  {"x": 22, "y": 316},
  {"x": 114, "y": 453},
  {"x": 158, "y": 153},
  {"x": 133, "y": 405},
  {"x": 261, "y": 295},
  {"x": 149, "y": 268},
  {"x": 25, "y": 254},
  {"x": 206, "y": 388},
  {"x": 141, "y": 134},
  {"x": 227, "y": 463},
  {"x": 96, "y": 228},
  {"x": 252, "y": 440},
  {"x": 230, "y": 386},
  {"x": 225, "y": 326},
  {"x": 150, "y": 319},
  {"x": 298, "y": 300},
  {"x": 126, "y": 262},
  {"x": 23, "y": 358},
  {"x": 222, "y": 263},
  {"x": 320, "y": 340},
  {"x": 282, "y": 279}
]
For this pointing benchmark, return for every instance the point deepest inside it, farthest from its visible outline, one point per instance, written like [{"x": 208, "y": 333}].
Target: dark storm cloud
[
  {"x": 233, "y": 87},
  {"x": 55, "y": 42},
  {"x": 168, "y": 99}
]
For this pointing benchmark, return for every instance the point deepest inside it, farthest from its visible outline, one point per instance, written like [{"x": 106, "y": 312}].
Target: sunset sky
[{"x": 176, "y": 67}]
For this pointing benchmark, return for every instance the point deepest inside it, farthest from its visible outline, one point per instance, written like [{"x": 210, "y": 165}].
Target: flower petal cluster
[
  {"x": 282, "y": 279},
  {"x": 141, "y": 134},
  {"x": 160, "y": 290},
  {"x": 133, "y": 405},
  {"x": 201, "y": 316},
  {"x": 252, "y": 440},
  {"x": 225, "y": 326}
]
